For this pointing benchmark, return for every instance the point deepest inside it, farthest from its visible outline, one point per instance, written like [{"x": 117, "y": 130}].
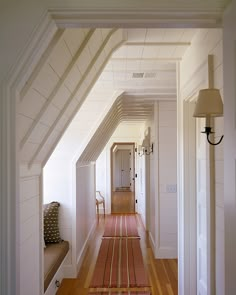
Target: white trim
[
  {"x": 166, "y": 252},
  {"x": 152, "y": 242},
  {"x": 186, "y": 163},
  {"x": 10, "y": 231},
  {"x": 9, "y": 266},
  {"x": 156, "y": 183},
  {"x": 85, "y": 247},
  {"x": 58, "y": 276},
  {"x": 153, "y": 17}
]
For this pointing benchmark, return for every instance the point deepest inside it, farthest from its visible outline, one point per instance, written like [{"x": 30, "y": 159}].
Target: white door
[
  {"x": 229, "y": 64},
  {"x": 202, "y": 195},
  {"x": 123, "y": 168}
]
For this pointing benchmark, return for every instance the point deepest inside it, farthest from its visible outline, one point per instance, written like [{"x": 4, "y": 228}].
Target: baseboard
[
  {"x": 152, "y": 242},
  {"x": 84, "y": 248},
  {"x": 69, "y": 271},
  {"x": 166, "y": 252}
]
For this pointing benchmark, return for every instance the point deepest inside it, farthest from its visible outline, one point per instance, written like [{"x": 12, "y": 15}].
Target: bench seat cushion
[{"x": 53, "y": 257}]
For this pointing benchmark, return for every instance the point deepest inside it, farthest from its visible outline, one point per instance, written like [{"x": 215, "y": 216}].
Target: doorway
[{"x": 122, "y": 178}]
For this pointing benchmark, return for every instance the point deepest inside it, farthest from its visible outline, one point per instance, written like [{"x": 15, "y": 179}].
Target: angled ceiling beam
[
  {"x": 72, "y": 95},
  {"x": 112, "y": 49},
  {"x": 157, "y": 43},
  {"x": 164, "y": 59},
  {"x": 58, "y": 35},
  {"x": 56, "y": 88}
]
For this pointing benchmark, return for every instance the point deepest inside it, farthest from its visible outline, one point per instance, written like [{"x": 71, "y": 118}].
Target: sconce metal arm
[{"x": 208, "y": 132}]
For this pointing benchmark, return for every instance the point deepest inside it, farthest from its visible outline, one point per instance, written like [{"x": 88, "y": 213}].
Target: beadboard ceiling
[{"x": 98, "y": 77}]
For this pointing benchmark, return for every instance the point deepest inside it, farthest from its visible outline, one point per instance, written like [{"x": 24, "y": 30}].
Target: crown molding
[{"x": 126, "y": 18}]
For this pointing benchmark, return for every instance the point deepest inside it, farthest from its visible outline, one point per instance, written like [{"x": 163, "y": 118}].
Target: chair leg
[{"x": 104, "y": 208}]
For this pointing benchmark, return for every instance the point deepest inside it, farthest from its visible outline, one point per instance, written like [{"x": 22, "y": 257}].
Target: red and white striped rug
[
  {"x": 121, "y": 226},
  {"x": 119, "y": 265}
]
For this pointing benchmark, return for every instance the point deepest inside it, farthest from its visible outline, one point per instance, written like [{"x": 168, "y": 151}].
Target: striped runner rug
[
  {"x": 121, "y": 226},
  {"x": 119, "y": 265}
]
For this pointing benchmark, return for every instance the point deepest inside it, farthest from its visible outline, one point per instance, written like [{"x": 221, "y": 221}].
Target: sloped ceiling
[
  {"x": 99, "y": 77},
  {"x": 125, "y": 108},
  {"x": 58, "y": 87}
]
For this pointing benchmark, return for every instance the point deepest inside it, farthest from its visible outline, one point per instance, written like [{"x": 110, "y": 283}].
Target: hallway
[{"x": 162, "y": 273}]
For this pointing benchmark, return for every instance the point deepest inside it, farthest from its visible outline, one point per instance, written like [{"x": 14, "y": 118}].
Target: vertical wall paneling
[
  {"x": 167, "y": 188},
  {"x": 85, "y": 207},
  {"x": 195, "y": 65},
  {"x": 229, "y": 61},
  {"x": 30, "y": 230}
]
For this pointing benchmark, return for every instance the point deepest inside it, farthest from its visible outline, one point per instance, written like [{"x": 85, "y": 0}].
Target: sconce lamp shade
[
  {"x": 145, "y": 143},
  {"x": 209, "y": 104}
]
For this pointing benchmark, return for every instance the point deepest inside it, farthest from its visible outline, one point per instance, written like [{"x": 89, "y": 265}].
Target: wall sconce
[
  {"x": 145, "y": 148},
  {"x": 209, "y": 104}
]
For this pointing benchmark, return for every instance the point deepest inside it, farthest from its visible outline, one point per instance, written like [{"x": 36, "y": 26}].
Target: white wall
[
  {"x": 74, "y": 187},
  {"x": 30, "y": 235},
  {"x": 193, "y": 72},
  {"x": 229, "y": 41},
  {"x": 57, "y": 186},
  {"x": 85, "y": 207},
  {"x": 165, "y": 176}
]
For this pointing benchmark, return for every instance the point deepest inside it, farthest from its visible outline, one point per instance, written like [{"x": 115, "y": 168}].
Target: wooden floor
[
  {"x": 162, "y": 273},
  {"x": 122, "y": 202}
]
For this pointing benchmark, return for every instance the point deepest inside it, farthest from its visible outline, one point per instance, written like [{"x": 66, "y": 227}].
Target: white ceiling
[
  {"x": 143, "y": 68},
  {"x": 98, "y": 77}
]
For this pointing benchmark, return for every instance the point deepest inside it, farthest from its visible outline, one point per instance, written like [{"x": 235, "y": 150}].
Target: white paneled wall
[
  {"x": 47, "y": 102},
  {"x": 193, "y": 74},
  {"x": 30, "y": 230},
  {"x": 57, "y": 186},
  {"x": 58, "y": 86},
  {"x": 167, "y": 161},
  {"x": 85, "y": 208}
]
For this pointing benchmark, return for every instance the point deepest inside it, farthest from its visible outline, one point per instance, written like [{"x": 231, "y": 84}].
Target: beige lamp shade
[
  {"x": 209, "y": 104},
  {"x": 145, "y": 143}
]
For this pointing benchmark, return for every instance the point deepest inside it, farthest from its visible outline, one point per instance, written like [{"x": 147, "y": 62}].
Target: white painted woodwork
[
  {"x": 202, "y": 211},
  {"x": 229, "y": 55},
  {"x": 166, "y": 233},
  {"x": 193, "y": 76},
  {"x": 26, "y": 31},
  {"x": 85, "y": 206},
  {"x": 56, "y": 187},
  {"x": 30, "y": 237},
  {"x": 187, "y": 198}
]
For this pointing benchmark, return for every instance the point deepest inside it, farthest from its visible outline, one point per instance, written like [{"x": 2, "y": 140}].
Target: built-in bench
[
  {"x": 54, "y": 254},
  {"x": 55, "y": 251}
]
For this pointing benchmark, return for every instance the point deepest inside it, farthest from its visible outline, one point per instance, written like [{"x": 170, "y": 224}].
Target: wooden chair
[{"x": 100, "y": 200}]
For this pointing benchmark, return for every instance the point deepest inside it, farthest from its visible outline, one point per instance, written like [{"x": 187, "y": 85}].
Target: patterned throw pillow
[{"x": 51, "y": 227}]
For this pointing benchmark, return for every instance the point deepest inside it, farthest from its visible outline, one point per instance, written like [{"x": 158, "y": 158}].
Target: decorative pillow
[{"x": 51, "y": 227}]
